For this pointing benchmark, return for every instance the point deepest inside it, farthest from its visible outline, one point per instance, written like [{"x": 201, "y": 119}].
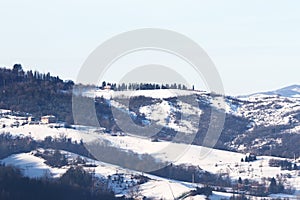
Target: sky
[{"x": 255, "y": 45}]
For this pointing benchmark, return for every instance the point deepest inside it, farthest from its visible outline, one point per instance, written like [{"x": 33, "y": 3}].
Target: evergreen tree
[
  {"x": 240, "y": 181},
  {"x": 295, "y": 167},
  {"x": 273, "y": 186}
]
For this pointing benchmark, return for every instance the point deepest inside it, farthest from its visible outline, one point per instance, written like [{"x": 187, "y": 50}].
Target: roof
[{"x": 48, "y": 116}]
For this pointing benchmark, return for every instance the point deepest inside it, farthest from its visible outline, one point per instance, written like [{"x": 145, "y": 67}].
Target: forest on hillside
[{"x": 35, "y": 93}]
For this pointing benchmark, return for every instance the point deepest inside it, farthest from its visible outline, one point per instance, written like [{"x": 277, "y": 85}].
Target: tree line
[
  {"x": 15, "y": 144},
  {"x": 142, "y": 86}
]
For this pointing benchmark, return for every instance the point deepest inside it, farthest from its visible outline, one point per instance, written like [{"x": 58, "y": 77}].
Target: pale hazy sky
[{"x": 254, "y": 44}]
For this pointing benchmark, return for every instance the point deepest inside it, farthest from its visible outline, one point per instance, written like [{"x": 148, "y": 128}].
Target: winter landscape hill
[{"x": 255, "y": 156}]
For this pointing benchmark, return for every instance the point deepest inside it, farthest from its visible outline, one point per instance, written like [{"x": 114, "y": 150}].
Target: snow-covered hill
[
  {"x": 261, "y": 119},
  {"x": 215, "y": 161},
  {"x": 269, "y": 108}
]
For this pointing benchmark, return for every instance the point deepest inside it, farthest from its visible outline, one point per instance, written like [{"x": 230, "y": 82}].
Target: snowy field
[{"x": 211, "y": 160}]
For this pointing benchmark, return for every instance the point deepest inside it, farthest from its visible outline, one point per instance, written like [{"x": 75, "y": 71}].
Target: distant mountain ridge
[{"x": 292, "y": 91}]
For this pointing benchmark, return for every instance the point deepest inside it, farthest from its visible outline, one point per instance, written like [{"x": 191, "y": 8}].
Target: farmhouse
[
  {"x": 107, "y": 87},
  {"x": 48, "y": 119},
  {"x": 31, "y": 119}
]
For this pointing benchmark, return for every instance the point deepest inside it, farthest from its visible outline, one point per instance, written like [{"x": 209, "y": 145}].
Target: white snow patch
[{"x": 32, "y": 166}]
